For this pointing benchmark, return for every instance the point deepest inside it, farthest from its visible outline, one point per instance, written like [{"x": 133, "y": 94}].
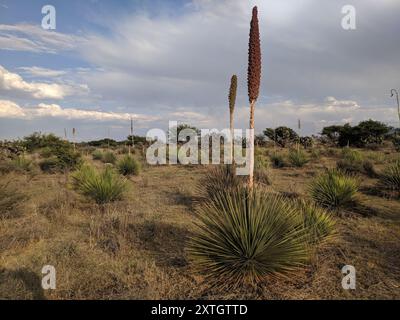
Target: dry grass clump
[{"x": 10, "y": 198}]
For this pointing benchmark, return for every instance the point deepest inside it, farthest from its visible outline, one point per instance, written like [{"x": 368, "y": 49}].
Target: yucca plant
[
  {"x": 298, "y": 157},
  {"x": 219, "y": 178},
  {"x": 244, "y": 235},
  {"x": 278, "y": 160},
  {"x": 102, "y": 187},
  {"x": 318, "y": 222},
  {"x": 109, "y": 157},
  {"x": 390, "y": 177},
  {"x": 334, "y": 189},
  {"x": 129, "y": 166},
  {"x": 97, "y": 155}
]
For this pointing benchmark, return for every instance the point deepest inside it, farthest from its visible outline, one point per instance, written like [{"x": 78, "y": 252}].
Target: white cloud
[
  {"x": 13, "y": 83},
  {"x": 27, "y": 37},
  {"x": 42, "y": 72},
  {"x": 9, "y": 109}
]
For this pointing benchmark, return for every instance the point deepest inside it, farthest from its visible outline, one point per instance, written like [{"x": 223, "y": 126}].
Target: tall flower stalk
[
  {"x": 232, "y": 101},
  {"x": 395, "y": 92},
  {"x": 253, "y": 82}
]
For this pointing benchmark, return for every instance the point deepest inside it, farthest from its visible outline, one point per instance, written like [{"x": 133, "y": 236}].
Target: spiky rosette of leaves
[
  {"x": 232, "y": 93},
  {"x": 245, "y": 235},
  {"x": 254, "y": 67}
]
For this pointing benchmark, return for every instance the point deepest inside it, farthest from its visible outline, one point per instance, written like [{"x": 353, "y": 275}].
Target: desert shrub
[
  {"x": 102, "y": 187},
  {"x": 19, "y": 164},
  {"x": 277, "y": 160},
  {"x": 261, "y": 170},
  {"x": 334, "y": 189},
  {"x": 369, "y": 169},
  {"x": 396, "y": 142},
  {"x": 128, "y": 166},
  {"x": 282, "y": 135},
  {"x": 297, "y": 158},
  {"x": 306, "y": 142},
  {"x": 97, "y": 155},
  {"x": 318, "y": 222},
  {"x": 390, "y": 177},
  {"x": 219, "y": 178},
  {"x": 10, "y": 198},
  {"x": 245, "y": 235},
  {"x": 109, "y": 157},
  {"x": 315, "y": 154},
  {"x": 352, "y": 161}
]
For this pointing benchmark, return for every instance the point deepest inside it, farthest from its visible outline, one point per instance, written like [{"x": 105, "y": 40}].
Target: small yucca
[
  {"x": 219, "y": 178},
  {"x": 334, "y": 189},
  {"x": 390, "y": 177},
  {"x": 109, "y": 157},
  {"x": 97, "y": 155},
  {"x": 245, "y": 235},
  {"x": 102, "y": 187},
  {"x": 318, "y": 222},
  {"x": 128, "y": 166},
  {"x": 298, "y": 158}
]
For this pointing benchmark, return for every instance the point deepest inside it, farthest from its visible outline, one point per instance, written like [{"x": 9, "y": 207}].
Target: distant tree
[
  {"x": 366, "y": 132},
  {"x": 332, "y": 133},
  {"x": 135, "y": 139},
  {"x": 174, "y": 136},
  {"x": 281, "y": 135},
  {"x": 103, "y": 143}
]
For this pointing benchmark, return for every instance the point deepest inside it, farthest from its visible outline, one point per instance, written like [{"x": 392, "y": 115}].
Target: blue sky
[{"x": 165, "y": 60}]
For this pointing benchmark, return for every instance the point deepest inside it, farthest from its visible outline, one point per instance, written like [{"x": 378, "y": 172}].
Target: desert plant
[
  {"x": 281, "y": 135},
  {"x": 334, "y": 189},
  {"x": 298, "y": 158},
  {"x": 102, "y": 187},
  {"x": 390, "y": 177},
  {"x": 221, "y": 177},
  {"x": 318, "y": 222},
  {"x": 253, "y": 81},
  {"x": 97, "y": 155},
  {"x": 277, "y": 160},
  {"x": 261, "y": 170},
  {"x": 128, "y": 166},
  {"x": 245, "y": 235},
  {"x": 369, "y": 169},
  {"x": 109, "y": 157}
]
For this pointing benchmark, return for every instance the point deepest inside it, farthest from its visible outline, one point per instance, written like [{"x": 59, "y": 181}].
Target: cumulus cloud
[
  {"x": 33, "y": 38},
  {"x": 13, "y": 83},
  {"x": 9, "y": 109}
]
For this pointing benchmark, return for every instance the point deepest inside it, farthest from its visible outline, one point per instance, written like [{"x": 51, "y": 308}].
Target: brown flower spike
[
  {"x": 254, "y": 68},
  {"x": 232, "y": 94}
]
